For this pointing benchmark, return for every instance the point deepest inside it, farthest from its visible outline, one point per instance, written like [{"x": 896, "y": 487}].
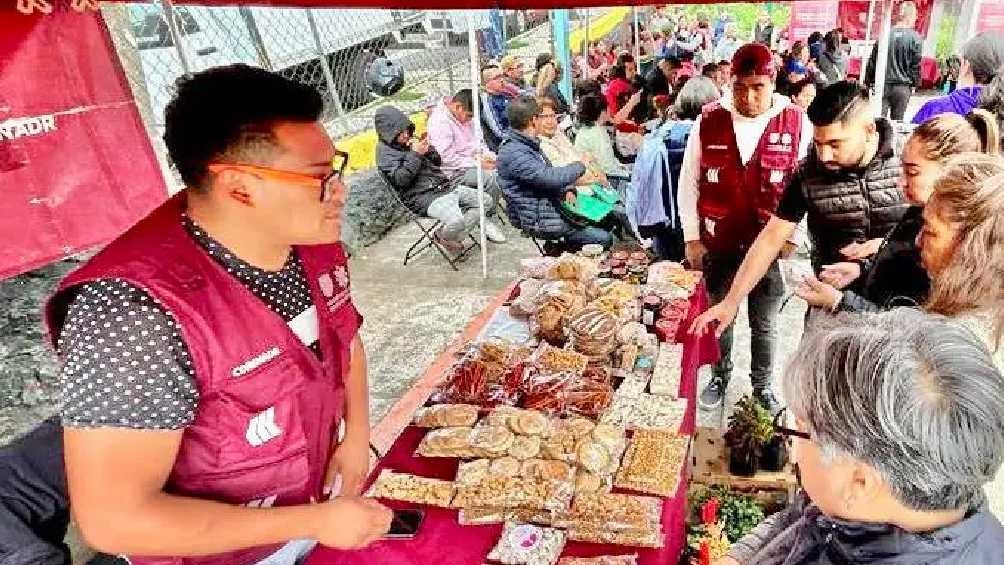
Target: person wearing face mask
[
  {"x": 895, "y": 275},
  {"x": 847, "y": 189},
  {"x": 898, "y": 426},
  {"x": 738, "y": 159}
]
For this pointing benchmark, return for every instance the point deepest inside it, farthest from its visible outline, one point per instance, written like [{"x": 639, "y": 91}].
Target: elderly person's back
[{"x": 899, "y": 424}]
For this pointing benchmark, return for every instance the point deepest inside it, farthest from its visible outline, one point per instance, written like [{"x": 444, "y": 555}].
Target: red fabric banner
[
  {"x": 991, "y": 18},
  {"x": 852, "y": 15},
  {"x": 809, "y": 17},
  {"x": 76, "y": 165}
]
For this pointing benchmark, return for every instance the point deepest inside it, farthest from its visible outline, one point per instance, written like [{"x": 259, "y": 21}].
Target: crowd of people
[{"x": 186, "y": 441}]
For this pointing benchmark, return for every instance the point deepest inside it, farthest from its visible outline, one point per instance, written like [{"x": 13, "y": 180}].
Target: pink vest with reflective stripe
[
  {"x": 735, "y": 201},
  {"x": 268, "y": 408}
]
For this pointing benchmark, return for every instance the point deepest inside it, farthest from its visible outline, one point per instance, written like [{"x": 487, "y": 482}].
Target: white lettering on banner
[
  {"x": 713, "y": 175},
  {"x": 255, "y": 362},
  {"x": 15, "y": 128},
  {"x": 718, "y": 147},
  {"x": 262, "y": 428},
  {"x": 709, "y": 225}
]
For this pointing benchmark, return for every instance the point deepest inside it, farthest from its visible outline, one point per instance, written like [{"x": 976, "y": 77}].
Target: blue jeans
[
  {"x": 762, "y": 304},
  {"x": 585, "y": 236}
]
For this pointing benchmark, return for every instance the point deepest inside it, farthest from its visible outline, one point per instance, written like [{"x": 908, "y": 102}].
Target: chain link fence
[{"x": 329, "y": 49}]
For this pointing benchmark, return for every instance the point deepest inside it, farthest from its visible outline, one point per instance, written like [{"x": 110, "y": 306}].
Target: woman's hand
[
  {"x": 818, "y": 293},
  {"x": 839, "y": 275}
]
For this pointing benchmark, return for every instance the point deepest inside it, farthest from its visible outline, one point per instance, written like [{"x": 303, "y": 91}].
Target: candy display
[
  {"x": 411, "y": 488},
  {"x": 601, "y": 560},
  {"x": 653, "y": 462},
  {"x": 613, "y": 512},
  {"x": 446, "y": 415},
  {"x": 570, "y": 433},
  {"x": 527, "y": 544},
  {"x": 668, "y": 370}
]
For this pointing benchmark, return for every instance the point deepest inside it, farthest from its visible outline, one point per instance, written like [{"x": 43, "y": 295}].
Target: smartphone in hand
[{"x": 405, "y": 524}]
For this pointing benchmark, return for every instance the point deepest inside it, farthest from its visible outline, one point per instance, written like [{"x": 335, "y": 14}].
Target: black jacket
[
  {"x": 905, "y": 47},
  {"x": 849, "y": 206},
  {"x": 895, "y": 277},
  {"x": 417, "y": 178},
  {"x": 533, "y": 188}
]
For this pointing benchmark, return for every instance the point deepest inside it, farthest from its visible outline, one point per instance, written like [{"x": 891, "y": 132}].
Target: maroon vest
[
  {"x": 736, "y": 201},
  {"x": 269, "y": 409}
]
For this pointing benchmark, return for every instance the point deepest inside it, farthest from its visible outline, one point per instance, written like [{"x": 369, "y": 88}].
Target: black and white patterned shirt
[{"x": 126, "y": 364}]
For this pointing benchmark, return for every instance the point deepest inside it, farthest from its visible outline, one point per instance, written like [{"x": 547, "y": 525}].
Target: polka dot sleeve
[{"x": 125, "y": 363}]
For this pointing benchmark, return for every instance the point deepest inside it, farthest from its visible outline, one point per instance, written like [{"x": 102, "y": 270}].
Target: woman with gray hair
[{"x": 899, "y": 423}]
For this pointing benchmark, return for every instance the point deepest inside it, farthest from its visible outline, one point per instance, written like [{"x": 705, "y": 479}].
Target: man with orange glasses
[{"x": 210, "y": 353}]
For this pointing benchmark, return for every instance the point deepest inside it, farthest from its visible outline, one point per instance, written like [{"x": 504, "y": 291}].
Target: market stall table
[{"x": 443, "y": 541}]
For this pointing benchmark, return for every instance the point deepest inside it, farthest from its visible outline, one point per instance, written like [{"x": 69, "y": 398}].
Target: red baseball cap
[{"x": 754, "y": 59}]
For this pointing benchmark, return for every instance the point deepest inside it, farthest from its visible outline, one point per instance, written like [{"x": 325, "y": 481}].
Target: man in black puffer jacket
[
  {"x": 902, "y": 73},
  {"x": 533, "y": 188}
]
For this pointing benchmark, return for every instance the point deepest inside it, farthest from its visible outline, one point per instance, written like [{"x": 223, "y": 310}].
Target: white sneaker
[{"x": 494, "y": 233}]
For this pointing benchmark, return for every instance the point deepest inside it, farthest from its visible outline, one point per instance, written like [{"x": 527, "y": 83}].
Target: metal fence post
[
  {"x": 446, "y": 47},
  {"x": 329, "y": 78},
  {"x": 172, "y": 27}
]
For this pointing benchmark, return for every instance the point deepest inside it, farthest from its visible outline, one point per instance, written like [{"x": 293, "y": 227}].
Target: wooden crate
[{"x": 710, "y": 466}]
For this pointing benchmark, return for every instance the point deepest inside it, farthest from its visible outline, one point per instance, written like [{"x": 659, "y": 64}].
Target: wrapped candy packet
[{"x": 527, "y": 544}]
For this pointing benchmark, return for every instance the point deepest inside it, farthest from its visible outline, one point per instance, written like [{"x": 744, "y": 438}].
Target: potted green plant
[
  {"x": 750, "y": 429},
  {"x": 774, "y": 455}
]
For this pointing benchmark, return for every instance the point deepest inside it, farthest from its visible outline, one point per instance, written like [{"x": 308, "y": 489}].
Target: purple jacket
[{"x": 961, "y": 101}]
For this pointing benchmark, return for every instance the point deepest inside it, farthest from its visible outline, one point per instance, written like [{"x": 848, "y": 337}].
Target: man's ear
[{"x": 233, "y": 184}]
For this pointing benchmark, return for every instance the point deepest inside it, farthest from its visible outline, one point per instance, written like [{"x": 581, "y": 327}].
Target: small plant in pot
[
  {"x": 750, "y": 429},
  {"x": 774, "y": 456}
]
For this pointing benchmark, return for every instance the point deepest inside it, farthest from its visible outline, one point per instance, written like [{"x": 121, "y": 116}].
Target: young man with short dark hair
[{"x": 210, "y": 354}]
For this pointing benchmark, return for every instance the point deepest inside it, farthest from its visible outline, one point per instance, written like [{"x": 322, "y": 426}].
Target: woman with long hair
[{"x": 896, "y": 275}]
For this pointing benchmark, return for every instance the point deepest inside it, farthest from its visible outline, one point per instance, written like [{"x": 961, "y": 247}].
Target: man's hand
[
  {"x": 720, "y": 315},
  {"x": 858, "y": 251},
  {"x": 351, "y": 461},
  {"x": 788, "y": 250},
  {"x": 352, "y": 522},
  {"x": 695, "y": 252},
  {"x": 818, "y": 293},
  {"x": 839, "y": 275},
  {"x": 570, "y": 197},
  {"x": 420, "y": 146}
]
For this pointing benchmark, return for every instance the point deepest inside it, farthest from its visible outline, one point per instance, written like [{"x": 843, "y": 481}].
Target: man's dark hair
[
  {"x": 465, "y": 99},
  {"x": 838, "y": 102},
  {"x": 590, "y": 108},
  {"x": 673, "y": 62},
  {"x": 709, "y": 70},
  {"x": 618, "y": 71},
  {"x": 724, "y": 63},
  {"x": 227, "y": 114},
  {"x": 795, "y": 88},
  {"x": 521, "y": 112},
  {"x": 586, "y": 87},
  {"x": 542, "y": 60}
]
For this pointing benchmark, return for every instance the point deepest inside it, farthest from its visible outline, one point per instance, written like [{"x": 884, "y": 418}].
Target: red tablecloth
[{"x": 442, "y": 541}]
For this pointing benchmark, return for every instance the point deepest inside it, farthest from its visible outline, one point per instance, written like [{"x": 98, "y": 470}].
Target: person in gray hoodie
[
  {"x": 413, "y": 167},
  {"x": 898, "y": 425}
]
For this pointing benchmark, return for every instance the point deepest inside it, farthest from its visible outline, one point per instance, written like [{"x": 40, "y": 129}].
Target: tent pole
[
  {"x": 172, "y": 28},
  {"x": 472, "y": 44},
  {"x": 637, "y": 42},
  {"x": 882, "y": 57},
  {"x": 871, "y": 19}
]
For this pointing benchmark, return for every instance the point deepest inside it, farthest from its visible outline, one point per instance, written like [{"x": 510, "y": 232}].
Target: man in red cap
[{"x": 738, "y": 160}]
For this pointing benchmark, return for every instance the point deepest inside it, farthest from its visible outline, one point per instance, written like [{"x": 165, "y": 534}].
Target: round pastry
[
  {"x": 501, "y": 416},
  {"x": 505, "y": 467},
  {"x": 608, "y": 436},
  {"x": 593, "y": 456},
  {"x": 529, "y": 422},
  {"x": 493, "y": 439},
  {"x": 450, "y": 438},
  {"x": 473, "y": 472},
  {"x": 587, "y": 482},
  {"x": 525, "y": 447},
  {"x": 458, "y": 415},
  {"x": 579, "y": 427}
]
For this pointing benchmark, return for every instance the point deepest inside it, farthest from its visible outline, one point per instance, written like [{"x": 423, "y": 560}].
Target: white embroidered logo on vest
[
  {"x": 327, "y": 285},
  {"x": 773, "y": 137},
  {"x": 262, "y": 428},
  {"x": 713, "y": 175},
  {"x": 266, "y": 502},
  {"x": 786, "y": 138},
  {"x": 255, "y": 362}
]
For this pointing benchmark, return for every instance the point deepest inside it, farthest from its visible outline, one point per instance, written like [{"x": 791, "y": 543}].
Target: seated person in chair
[
  {"x": 451, "y": 133},
  {"x": 413, "y": 168},
  {"x": 534, "y": 189}
]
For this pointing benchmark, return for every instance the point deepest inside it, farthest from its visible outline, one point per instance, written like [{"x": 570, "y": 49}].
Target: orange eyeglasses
[{"x": 327, "y": 184}]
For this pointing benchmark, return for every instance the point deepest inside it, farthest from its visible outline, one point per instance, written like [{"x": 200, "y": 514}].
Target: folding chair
[{"x": 428, "y": 227}]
